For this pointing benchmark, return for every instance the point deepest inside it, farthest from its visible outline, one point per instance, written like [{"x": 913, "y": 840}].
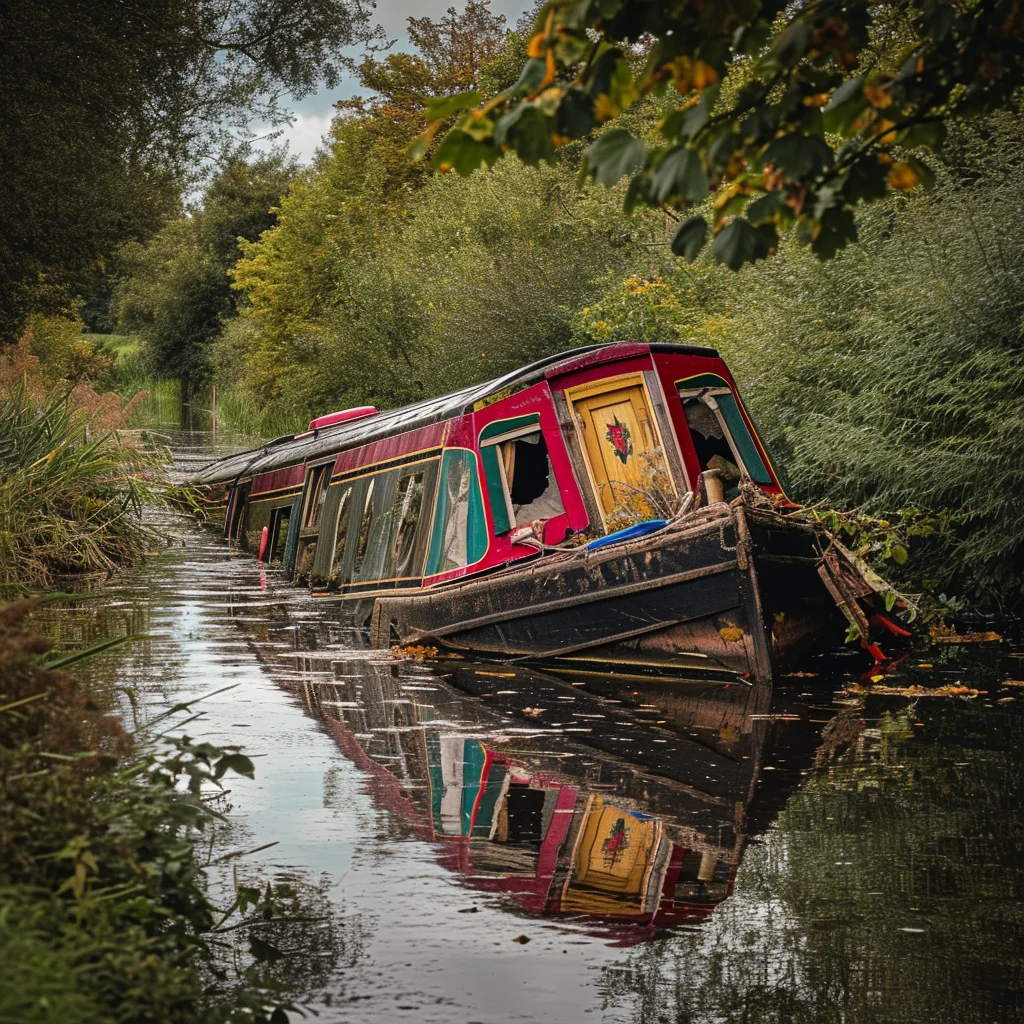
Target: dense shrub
[{"x": 106, "y": 915}]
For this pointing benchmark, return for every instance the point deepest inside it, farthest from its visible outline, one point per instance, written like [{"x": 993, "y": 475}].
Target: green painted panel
[
  {"x": 495, "y": 489},
  {"x": 744, "y": 442},
  {"x": 499, "y": 427},
  {"x": 702, "y": 380}
]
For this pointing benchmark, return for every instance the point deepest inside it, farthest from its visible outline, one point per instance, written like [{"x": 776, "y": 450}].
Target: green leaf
[
  {"x": 837, "y": 229},
  {"x": 525, "y": 129},
  {"x": 55, "y": 661},
  {"x": 930, "y": 135},
  {"x": 739, "y": 243},
  {"x": 638, "y": 193},
  {"x": 845, "y": 106},
  {"x": 723, "y": 148},
  {"x": 463, "y": 154},
  {"x": 613, "y": 155},
  {"x": 445, "y": 106},
  {"x": 799, "y": 156},
  {"x": 533, "y": 74},
  {"x": 689, "y": 238},
  {"x": 924, "y": 173},
  {"x": 899, "y": 554},
  {"x": 767, "y": 208},
  {"x": 575, "y": 115},
  {"x": 697, "y": 116},
  {"x": 792, "y": 44},
  {"x": 680, "y": 173},
  {"x": 866, "y": 179}
]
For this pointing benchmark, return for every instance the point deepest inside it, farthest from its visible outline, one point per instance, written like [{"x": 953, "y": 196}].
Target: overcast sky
[{"x": 313, "y": 114}]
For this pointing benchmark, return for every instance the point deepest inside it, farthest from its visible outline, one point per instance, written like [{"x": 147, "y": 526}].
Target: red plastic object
[
  {"x": 344, "y": 416},
  {"x": 264, "y": 537},
  {"x": 878, "y": 619}
]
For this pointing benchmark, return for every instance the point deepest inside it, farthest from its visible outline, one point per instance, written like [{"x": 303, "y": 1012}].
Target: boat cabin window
[
  {"x": 459, "y": 535},
  {"x": 721, "y": 438},
  {"x": 380, "y": 533},
  {"x": 532, "y": 487},
  {"x": 520, "y": 477},
  {"x": 406, "y": 511},
  {"x": 279, "y": 520},
  {"x": 319, "y": 481},
  {"x": 365, "y": 524},
  {"x": 709, "y": 441},
  {"x": 341, "y": 536}
]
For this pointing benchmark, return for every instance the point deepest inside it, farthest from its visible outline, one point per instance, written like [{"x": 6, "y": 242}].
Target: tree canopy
[
  {"x": 107, "y": 106},
  {"x": 174, "y": 289},
  {"x": 792, "y": 114}
]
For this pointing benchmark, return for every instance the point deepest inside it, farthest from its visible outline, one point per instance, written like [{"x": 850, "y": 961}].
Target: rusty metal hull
[{"x": 686, "y": 599}]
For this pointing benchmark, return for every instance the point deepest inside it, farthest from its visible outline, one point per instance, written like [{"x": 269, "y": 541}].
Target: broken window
[
  {"x": 279, "y": 521},
  {"x": 341, "y": 535},
  {"x": 532, "y": 487},
  {"x": 406, "y": 510},
  {"x": 709, "y": 440},
  {"x": 722, "y": 439},
  {"x": 365, "y": 522},
  {"x": 520, "y": 478}
]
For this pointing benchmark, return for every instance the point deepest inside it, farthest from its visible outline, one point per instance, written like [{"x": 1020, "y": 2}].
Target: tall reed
[{"x": 72, "y": 488}]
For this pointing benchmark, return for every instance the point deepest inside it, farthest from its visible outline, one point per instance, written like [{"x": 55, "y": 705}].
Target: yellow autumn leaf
[
  {"x": 704, "y": 75},
  {"x": 903, "y": 177},
  {"x": 877, "y": 96}
]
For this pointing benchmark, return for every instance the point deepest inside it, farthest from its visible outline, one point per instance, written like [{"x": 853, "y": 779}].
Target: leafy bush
[{"x": 106, "y": 911}]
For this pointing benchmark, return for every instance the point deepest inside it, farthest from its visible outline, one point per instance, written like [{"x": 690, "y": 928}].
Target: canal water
[{"x": 483, "y": 843}]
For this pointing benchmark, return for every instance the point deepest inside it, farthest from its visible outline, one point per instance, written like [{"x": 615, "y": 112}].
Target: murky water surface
[{"x": 486, "y": 843}]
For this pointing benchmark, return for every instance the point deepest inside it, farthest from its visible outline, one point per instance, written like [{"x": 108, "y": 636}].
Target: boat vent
[{"x": 345, "y": 416}]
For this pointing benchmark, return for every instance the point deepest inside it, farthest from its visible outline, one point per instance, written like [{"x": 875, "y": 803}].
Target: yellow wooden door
[{"x": 625, "y": 458}]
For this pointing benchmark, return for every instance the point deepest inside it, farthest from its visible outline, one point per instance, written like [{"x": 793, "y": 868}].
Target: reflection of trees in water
[
  {"x": 312, "y": 943},
  {"x": 890, "y": 889}
]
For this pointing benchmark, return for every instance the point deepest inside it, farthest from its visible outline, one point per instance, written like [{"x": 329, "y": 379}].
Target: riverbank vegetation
[
  {"x": 104, "y": 857},
  {"x": 73, "y": 482}
]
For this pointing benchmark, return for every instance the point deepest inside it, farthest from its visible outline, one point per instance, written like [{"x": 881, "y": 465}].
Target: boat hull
[{"x": 689, "y": 598}]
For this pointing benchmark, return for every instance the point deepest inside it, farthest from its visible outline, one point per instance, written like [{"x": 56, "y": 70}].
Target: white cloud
[{"x": 305, "y": 134}]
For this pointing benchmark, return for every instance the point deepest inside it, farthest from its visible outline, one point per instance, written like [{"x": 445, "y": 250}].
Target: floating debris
[
  {"x": 950, "y": 690},
  {"x": 939, "y": 634}
]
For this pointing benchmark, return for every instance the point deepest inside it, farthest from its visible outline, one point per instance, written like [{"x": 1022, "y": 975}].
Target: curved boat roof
[{"x": 291, "y": 450}]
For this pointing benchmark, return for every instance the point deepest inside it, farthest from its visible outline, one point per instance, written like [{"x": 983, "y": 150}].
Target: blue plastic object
[{"x": 629, "y": 533}]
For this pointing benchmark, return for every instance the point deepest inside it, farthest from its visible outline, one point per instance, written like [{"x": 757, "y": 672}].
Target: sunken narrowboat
[{"x": 609, "y": 509}]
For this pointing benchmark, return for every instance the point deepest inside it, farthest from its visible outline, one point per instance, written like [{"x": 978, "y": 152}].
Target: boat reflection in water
[{"x": 619, "y": 808}]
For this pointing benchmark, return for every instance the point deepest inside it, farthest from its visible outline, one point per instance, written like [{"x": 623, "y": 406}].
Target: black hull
[{"x": 726, "y": 592}]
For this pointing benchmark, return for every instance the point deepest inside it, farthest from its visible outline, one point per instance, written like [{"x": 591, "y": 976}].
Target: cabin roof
[{"x": 291, "y": 450}]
